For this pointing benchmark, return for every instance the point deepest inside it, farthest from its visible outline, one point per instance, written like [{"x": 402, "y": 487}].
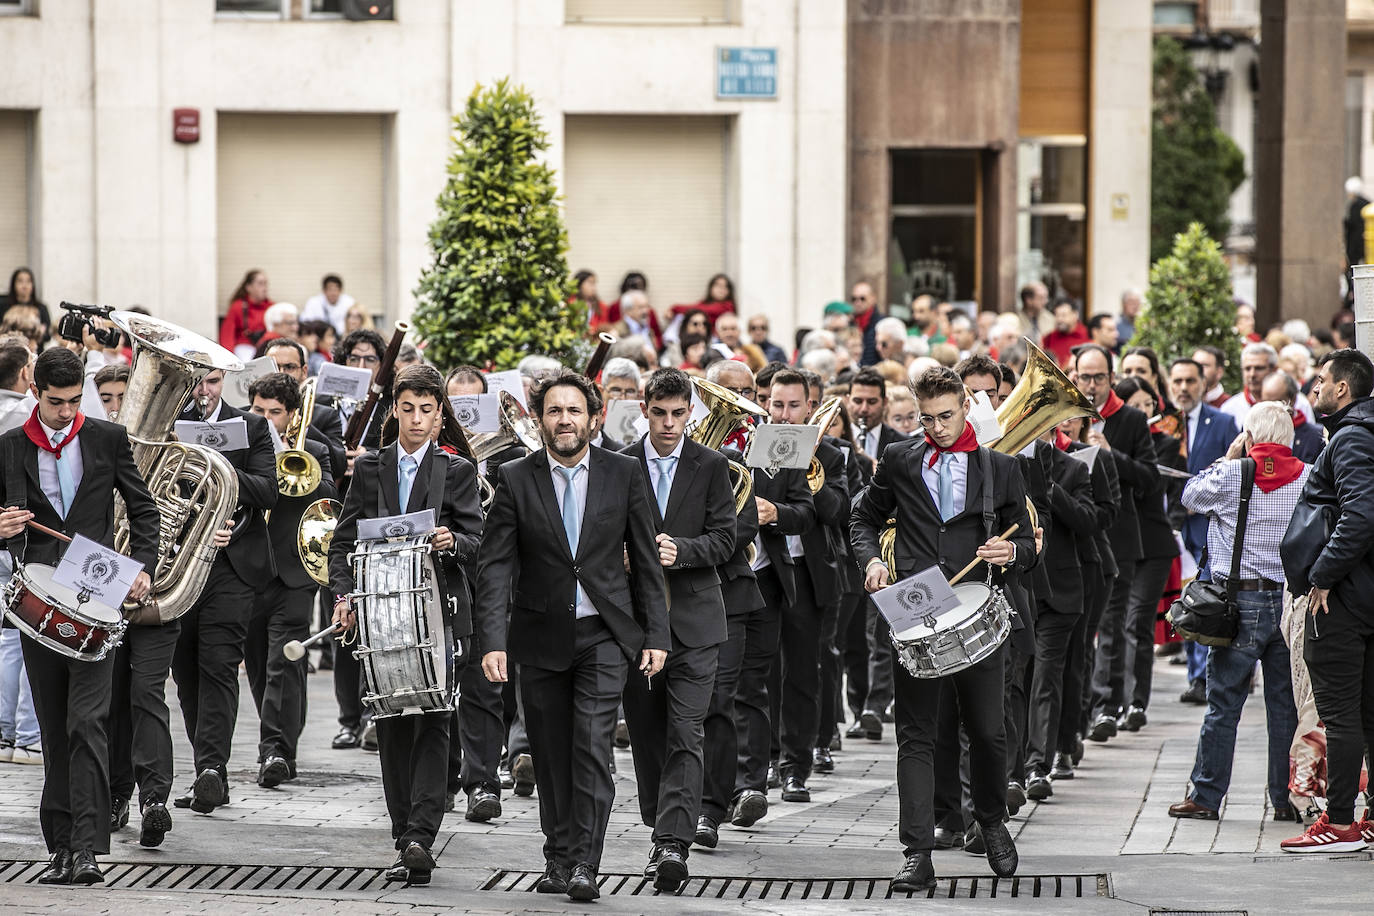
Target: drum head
[
  {"x": 40, "y": 580},
  {"x": 972, "y": 596}
]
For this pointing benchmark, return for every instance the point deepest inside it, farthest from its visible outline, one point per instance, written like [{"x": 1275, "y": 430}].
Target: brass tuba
[
  {"x": 725, "y": 413},
  {"x": 823, "y": 417},
  {"x": 195, "y": 488},
  {"x": 299, "y": 472},
  {"x": 517, "y": 428}
]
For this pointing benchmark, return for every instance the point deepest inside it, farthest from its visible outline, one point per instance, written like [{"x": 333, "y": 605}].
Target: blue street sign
[{"x": 746, "y": 73}]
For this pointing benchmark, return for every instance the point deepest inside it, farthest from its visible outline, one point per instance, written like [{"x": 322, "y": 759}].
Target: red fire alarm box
[{"x": 186, "y": 125}]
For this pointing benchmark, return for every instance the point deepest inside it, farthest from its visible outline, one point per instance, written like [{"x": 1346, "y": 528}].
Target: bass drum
[
  {"x": 404, "y": 644},
  {"x": 52, "y": 615},
  {"x": 961, "y": 637}
]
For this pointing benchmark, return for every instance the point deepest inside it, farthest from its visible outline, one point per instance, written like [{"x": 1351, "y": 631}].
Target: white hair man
[
  {"x": 919, "y": 365},
  {"x": 819, "y": 339},
  {"x": 1131, "y": 303},
  {"x": 1257, "y": 362},
  {"x": 890, "y": 338},
  {"x": 821, "y": 362},
  {"x": 282, "y": 319},
  {"x": 620, "y": 379}
]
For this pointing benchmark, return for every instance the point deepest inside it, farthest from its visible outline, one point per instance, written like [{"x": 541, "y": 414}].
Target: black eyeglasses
[
  {"x": 940, "y": 419},
  {"x": 362, "y": 360}
]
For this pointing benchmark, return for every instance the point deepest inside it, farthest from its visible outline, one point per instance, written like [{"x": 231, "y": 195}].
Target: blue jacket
[{"x": 1215, "y": 433}]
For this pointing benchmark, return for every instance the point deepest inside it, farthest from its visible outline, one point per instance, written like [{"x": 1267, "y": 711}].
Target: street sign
[{"x": 746, "y": 73}]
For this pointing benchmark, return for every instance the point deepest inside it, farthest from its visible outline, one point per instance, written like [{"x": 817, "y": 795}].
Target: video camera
[{"x": 79, "y": 318}]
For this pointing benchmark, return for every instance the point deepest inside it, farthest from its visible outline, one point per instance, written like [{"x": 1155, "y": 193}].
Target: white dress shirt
[
  {"x": 47, "y": 466},
  {"x": 585, "y": 608},
  {"x": 652, "y": 454},
  {"x": 871, "y": 440},
  {"x": 1194, "y": 418},
  {"x": 958, "y": 471}
]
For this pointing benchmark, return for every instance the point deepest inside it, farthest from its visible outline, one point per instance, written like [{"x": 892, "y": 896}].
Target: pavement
[{"x": 321, "y": 840}]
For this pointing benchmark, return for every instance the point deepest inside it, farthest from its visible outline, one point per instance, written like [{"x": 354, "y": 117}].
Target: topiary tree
[
  {"x": 1194, "y": 166},
  {"x": 1189, "y": 304},
  {"x": 498, "y": 288}
]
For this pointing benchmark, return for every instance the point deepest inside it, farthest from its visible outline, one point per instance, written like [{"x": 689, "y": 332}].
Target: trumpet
[{"x": 299, "y": 472}]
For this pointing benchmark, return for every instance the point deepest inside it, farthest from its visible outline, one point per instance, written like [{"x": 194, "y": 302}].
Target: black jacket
[
  {"x": 1075, "y": 520},
  {"x": 286, "y": 519},
  {"x": 796, "y": 515},
  {"x": 1344, "y": 477},
  {"x": 1095, "y": 548},
  {"x": 1134, "y": 455},
  {"x": 824, "y": 545},
  {"x": 1156, "y": 527},
  {"x": 1308, "y": 442}
]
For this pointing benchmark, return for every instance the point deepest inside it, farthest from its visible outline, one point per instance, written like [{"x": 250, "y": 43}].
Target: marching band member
[
  {"x": 695, "y": 515},
  {"x": 581, "y": 615},
  {"x": 410, "y": 476},
  {"x": 210, "y": 646},
  {"x": 43, "y": 478},
  {"x": 949, "y": 497},
  {"x": 326, "y": 426}
]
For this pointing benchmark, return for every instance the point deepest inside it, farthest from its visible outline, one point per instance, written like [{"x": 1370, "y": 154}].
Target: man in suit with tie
[
  {"x": 694, "y": 513},
  {"x": 1208, "y": 434},
  {"x": 950, "y": 498},
  {"x": 209, "y": 648},
  {"x": 283, "y": 605},
  {"x": 563, "y": 525},
  {"x": 63, "y": 470},
  {"x": 413, "y": 475},
  {"x": 867, "y": 405}
]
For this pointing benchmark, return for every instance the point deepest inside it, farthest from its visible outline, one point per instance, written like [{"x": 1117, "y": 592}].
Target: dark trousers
[
  {"x": 1016, "y": 707},
  {"x": 280, "y": 614},
  {"x": 140, "y": 724},
  {"x": 1054, "y": 638},
  {"x": 762, "y": 629},
  {"x": 1109, "y": 667},
  {"x": 1094, "y": 606},
  {"x": 414, "y": 760},
  {"x": 978, "y": 692},
  {"x": 880, "y": 661},
  {"x": 852, "y": 630},
  {"x": 1340, "y": 660},
  {"x": 571, "y": 717},
  {"x": 72, "y": 701},
  {"x": 952, "y": 807},
  {"x": 666, "y": 725},
  {"x": 1151, "y": 575},
  {"x": 1071, "y": 710},
  {"x": 348, "y": 688},
  {"x": 831, "y": 669},
  {"x": 475, "y": 753},
  {"x": 517, "y": 736},
  {"x": 801, "y": 688},
  {"x": 205, "y": 665},
  {"x": 721, "y": 740}
]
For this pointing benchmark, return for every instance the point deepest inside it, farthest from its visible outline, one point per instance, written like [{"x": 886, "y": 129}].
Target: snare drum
[
  {"x": 404, "y": 647},
  {"x": 52, "y": 615},
  {"x": 962, "y": 636}
]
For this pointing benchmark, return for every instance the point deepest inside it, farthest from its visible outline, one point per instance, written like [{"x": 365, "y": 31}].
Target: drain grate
[
  {"x": 225, "y": 878},
  {"x": 759, "y": 888}
]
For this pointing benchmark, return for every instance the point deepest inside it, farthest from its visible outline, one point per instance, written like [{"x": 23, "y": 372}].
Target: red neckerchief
[
  {"x": 1299, "y": 418},
  {"x": 1061, "y": 441},
  {"x": 1113, "y": 404},
  {"x": 863, "y": 319},
  {"x": 448, "y": 448},
  {"x": 737, "y": 439},
  {"x": 38, "y": 435},
  {"x": 1275, "y": 465},
  {"x": 966, "y": 442},
  {"x": 1249, "y": 398}
]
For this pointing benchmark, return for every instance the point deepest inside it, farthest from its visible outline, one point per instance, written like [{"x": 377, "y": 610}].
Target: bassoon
[{"x": 357, "y": 424}]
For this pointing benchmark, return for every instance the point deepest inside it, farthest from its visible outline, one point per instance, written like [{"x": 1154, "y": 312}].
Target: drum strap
[
  {"x": 16, "y": 490},
  {"x": 989, "y": 511}
]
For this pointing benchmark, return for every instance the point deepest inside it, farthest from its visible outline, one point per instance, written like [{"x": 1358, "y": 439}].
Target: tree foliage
[
  {"x": 1189, "y": 303},
  {"x": 497, "y": 289},
  {"x": 1195, "y": 167}
]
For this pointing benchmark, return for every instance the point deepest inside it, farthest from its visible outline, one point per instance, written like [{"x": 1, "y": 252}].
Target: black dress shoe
[
  {"x": 1285, "y": 812},
  {"x": 582, "y": 885},
  {"x": 397, "y": 872},
  {"x": 973, "y": 841},
  {"x": 855, "y": 731},
  {"x": 119, "y": 814},
  {"x": 750, "y": 807},
  {"x": 672, "y": 868},
  {"x": 1016, "y": 798},
  {"x": 367, "y": 740},
  {"x": 208, "y": 792},
  {"x": 1103, "y": 728},
  {"x": 417, "y": 858},
  {"x": 622, "y": 735},
  {"x": 84, "y": 869},
  {"x": 273, "y": 772},
  {"x": 946, "y": 838},
  {"x": 345, "y": 740},
  {"x": 555, "y": 880},
  {"x": 708, "y": 833},
  {"x": 1063, "y": 767},
  {"x": 522, "y": 771},
  {"x": 821, "y": 761},
  {"x": 483, "y": 805},
  {"x": 1038, "y": 787},
  {"x": 917, "y": 874},
  {"x": 1078, "y": 748},
  {"x": 157, "y": 823},
  {"x": 835, "y": 743},
  {"x": 774, "y": 777},
  {"x": 872, "y": 725},
  {"x": 794, "y": 790},
  {"x": 290, "y": 770},
  {"x": 59, "y": 870},
  {"x": 182, "y": 801},
  {"x": 1001, "y": 850},
  {"x": 651, "y": 867},
  {"x": 450, "y": 801}
]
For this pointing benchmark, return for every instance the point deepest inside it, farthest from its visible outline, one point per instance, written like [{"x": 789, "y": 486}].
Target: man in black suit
[
  {"x": 741, "y": 595},
  {"x": 283, "y": 605},
  {"x": 563, "y": 524},
  {"x": 412, "y": 475},
  {"x": 72, "y": 490},
  {"x": 1125, "y": 437},
  {"x": 326, "y": 426},
  {"x": 209, "y": 648},
  {"x": 694, "y": 513},
  {"x": 950, "y": 498},
  {"x": 867, "y": 407}
]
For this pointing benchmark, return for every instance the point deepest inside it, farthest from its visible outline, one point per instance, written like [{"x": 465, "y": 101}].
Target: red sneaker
[
  {"x": 1322, "y": 837},
  {"x": 1366, "y": 827}
]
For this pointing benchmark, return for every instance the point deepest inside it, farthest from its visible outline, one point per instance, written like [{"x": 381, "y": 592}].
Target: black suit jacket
[
  {"x": 326, "y": 427},
  {"x": 796, "y": 515},
  {"x": 524, "y": 549},
  {"x": 1106, "y": 496},
  {"x": 256, "y": 470},
  {"x": 701, "y": 521},
  {"x": 286, "y": 519},
  {"x": 1134, "y": 455},
  {"x": 443, "y": 482},
  {"x": 1156, "y": 527},
  {"x": 1075, "y": 519},
  {"x": 886, "y": 436},
  {"x": 737, "y": 579},
  {"x": 851, "y": 581},
  {"x": 824, "y": 544},
  {"x": 923, "y": 539},
  {"x": 107, "y": 468}
]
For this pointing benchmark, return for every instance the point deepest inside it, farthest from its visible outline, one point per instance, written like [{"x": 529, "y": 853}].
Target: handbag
[
  {"x": 1206, "y": 612},
  {"x": 1308, "y": 532}
]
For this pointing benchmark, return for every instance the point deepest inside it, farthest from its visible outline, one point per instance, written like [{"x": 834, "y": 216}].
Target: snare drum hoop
[
  {"x": 36, "y": 579},
  {"x": 995, "y": 609}
]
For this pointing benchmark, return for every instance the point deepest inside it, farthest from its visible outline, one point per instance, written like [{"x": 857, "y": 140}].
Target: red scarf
[
  {"x": 1299, "y": 418},
  {"x": 966, "y": 442},
  {"x": 1061, "y": 441},
  {"x": 1275, "y": 465},
  {"x": 1113, "y": 404},
  {"x": 1249, "y": 398},
  {"x": 38, "y": 434}
]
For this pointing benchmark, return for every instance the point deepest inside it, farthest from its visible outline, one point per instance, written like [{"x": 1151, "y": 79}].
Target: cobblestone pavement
[{"x": 320, "y": 841}]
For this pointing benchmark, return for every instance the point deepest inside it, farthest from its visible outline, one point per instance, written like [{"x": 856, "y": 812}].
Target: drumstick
[
  {"x": 976, "y": 560},
  {"x": 295, "y": 649},
  {"x": 48, "y": 531}
]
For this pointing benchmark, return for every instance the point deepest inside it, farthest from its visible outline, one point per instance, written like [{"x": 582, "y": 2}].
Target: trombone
[
  {"x": 298, "y": 471},
  {"x": 517, "y": 428},
  {"x": 823, "y": 417}
]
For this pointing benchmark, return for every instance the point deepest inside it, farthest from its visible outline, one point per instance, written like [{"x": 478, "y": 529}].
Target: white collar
[
  {"x": 652, "y": 453},
  {"x": 418, "y": 454},
  {"x": 554, "y": 463},
  {"x": 56, "y": 435},
  {"x": 1196, "y": 413}
]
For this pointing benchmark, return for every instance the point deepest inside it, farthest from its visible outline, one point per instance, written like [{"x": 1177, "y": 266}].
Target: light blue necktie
[
  {"x": 408, "y": 468},
  {"x": 64, "y": 480},
  {"x": 572, "y": 526},
  {"x": 665, "y": 482},
  {"x": 947, "y": 486}
]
